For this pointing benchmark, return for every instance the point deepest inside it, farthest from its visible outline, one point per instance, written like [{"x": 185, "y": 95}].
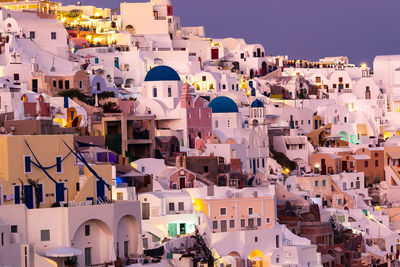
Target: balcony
[{"x": 175, "y": 212}]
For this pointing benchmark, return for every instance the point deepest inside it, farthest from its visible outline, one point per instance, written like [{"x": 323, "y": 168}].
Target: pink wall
[
  {"x": 175, "y": 179},
  {"x": 242, "y": 212}
]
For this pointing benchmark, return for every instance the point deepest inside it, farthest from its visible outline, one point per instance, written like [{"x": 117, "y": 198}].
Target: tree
[
  {"x": 111, "y": 107},
  {"x": 106, "y": 94},
  {"x": 71, "y": 93}
]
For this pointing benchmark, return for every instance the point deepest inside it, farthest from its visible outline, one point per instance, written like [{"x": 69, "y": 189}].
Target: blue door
[
  {"x": 60, "y": 192},
  {"x": 100, "y": 190},
  {"x": 28, "y": 193},
  {"x": 17, "y": 194},
  {"x": 116, "y": 62},
  {"x": 254, "y": 166}
]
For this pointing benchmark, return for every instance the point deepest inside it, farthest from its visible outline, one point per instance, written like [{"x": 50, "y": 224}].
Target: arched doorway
[
  {"x": 130, "y": 28},
  {"x": 127, "y": 236},
  {"x": 257, "y": 258},
  {"x": 264, "y": 68},
  {"x": 95, "y": 239},
  {"x": 237, "y": 258}
]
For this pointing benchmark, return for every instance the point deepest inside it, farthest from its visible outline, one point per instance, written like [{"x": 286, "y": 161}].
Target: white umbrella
[
  {"x": 112, "y": 252},
  {"x": 62, "y": 252}
]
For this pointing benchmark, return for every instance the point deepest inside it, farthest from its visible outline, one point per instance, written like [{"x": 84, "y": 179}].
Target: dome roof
[
  {"x": 162, "y": 73},
  {"x": 257, "y": 104},
  {"x": 223, "y": 104}
]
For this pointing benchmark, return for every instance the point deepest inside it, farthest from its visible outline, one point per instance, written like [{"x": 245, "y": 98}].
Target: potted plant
[{"x": 71, "y": 261}]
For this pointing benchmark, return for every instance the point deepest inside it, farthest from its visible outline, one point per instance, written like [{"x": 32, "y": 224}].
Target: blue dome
[
  {"x": 257, "y": 104},
  {"x": 162, "y": 73},
  {"x": 223, "y": 104}
]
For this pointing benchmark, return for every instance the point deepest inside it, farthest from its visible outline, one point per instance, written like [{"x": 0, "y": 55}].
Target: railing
[{"x": 173, "y": 212}]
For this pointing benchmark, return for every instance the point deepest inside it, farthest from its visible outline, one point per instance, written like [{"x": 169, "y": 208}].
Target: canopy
[
  {"x": 132, "y": 174},
  {"x": 96, "y": 150},
  {"x": 62, "y": 252}
]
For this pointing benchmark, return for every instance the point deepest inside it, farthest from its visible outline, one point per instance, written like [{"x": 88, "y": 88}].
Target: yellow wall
[{"x": 46, "y": 148}]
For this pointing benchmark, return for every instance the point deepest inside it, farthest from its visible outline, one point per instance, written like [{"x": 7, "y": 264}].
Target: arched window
[
  {"x": 155, "y": 92},
  {"x": 9, "y": 25},
  {"x": 169, "y": 91},
  {"x": 216, "y": 123}
]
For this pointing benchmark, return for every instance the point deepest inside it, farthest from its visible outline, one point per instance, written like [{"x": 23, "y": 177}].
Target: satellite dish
[{"x": 229, "y": 194}]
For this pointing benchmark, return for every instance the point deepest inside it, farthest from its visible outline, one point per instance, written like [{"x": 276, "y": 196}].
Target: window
[
  {"x": 323, "y": 182},
  {"x": 53, "y": 35},
  {"x": 32, "y": 35},
  {"x": 256, "y": 239},
  {"x": 171, "y": 206},
  {"x": 60, "y": 84},
  {"x": 181, "y": 206},
  {"x": 80, "y": 84},
  {"x": 318, "y": 79},
  {"x": 242, "y": 55},
  {"x": 215, "y": 225},
  {"x": 366, "y": 163},
  {"x": 242, "y": 223},
  {"x": 268, "y": 220},
  {"x": 14, "y": 228},
  {"x": 340, "y": 79},
  {"x": 67, "y": 84},
  {"x": 96, "y": 60},
  {"x": 316, "y": 183},
  {"x": 204, "y": 78},
  {"x": 258, "y": 221},
  {"x": 347, "y": 86},
  {"x": 169, "y": 92},
  {"x": 232, "y": 223},
  {"x": 205, "y": 169},
  {"x": 216, "y": 123},
  {"x": 339, "y": 201},
  {"x": 87, "y": 230},
  {"x": 250, "y": 211},
  {"x": 222, "y": 211},
  {"x": 59, "y": 164},
  {"x": 334, "y": 86},
  {"x": 16, "y": 76},
  {"x": 224, "y": 86},
  {"x": 155, "y": 92},
  {"x": 277, "y": 241},
  {"x": 376, "y": 155},
  {"x": 3, "y": 239},
  {"x": 78, "y": 187},
  {"x": 28, "y": 164},
  {"x": 263, "y": 163},
  {"x": 44, "y": 235},
  {"x": 54, "y": 83},
  {"x": 376, "y": 163},
  {"x": 251, "y": 222}
]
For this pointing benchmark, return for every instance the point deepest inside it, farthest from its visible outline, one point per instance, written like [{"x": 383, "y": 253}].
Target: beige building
[
  {"x": 130, "y": 135},
  {"x": 41, "y": 171}
]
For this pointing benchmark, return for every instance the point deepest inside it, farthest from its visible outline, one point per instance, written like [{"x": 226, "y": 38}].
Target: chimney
[
  {"x": 184, "y": 161},
  {"x": 178, "y": 161}
]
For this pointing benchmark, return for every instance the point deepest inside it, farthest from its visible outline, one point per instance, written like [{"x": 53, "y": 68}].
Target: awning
[
  {"x": 394, "y": 155},
  {"x": 295, "y": 141},
  {"x": 133, "y": 174},
  {"x": 62, "y": 252}
]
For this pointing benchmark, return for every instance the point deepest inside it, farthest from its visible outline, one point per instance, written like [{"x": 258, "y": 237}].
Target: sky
[{"x": 301, "y": 29}]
